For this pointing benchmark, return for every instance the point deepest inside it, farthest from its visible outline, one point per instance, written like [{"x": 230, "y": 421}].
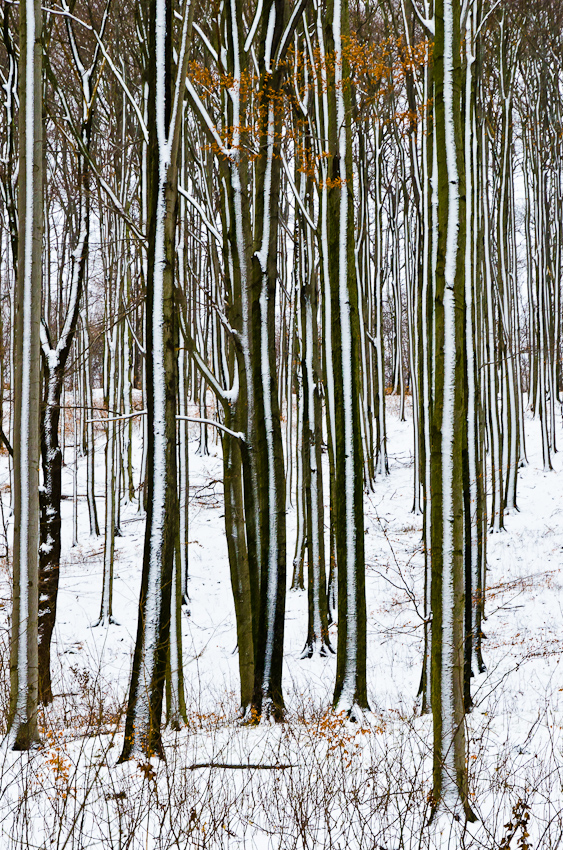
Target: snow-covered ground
[{"x": 321, "y": 783}]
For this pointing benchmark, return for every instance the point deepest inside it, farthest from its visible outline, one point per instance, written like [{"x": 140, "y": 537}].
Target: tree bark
[
  {"x": 152, "y": 647},
  {"x": 22, "y": 719},
  {"x": 350, "y": 692},
  {"x": 449, "y": 417}
]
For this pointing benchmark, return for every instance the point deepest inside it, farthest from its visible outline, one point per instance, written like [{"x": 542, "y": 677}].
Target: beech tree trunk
[
  {"x": 448, "y": 422},
  {"x": 152, "y": 648},
  {"x": 350, "y": 692},
  {"x": 22, "y": 719}
]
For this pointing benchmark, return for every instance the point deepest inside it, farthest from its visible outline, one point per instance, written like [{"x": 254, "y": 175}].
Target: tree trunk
[
  {"x": 22, "y": 719},
  {"x": 151, "y": 655},
  {"x": 350, "y": 693},
  {"x": 449, "y": 416}
]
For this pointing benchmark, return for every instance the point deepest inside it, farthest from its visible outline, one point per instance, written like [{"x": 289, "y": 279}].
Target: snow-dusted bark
[
  {"x": 183, "y": 477},
  {"x": 266, "y": 430},
  {"x": 89, "y": 423},
  {"x": 473, "y": 499},
  {"x": 381, "y": 459},
  {"x": 321, "y": 134},
  {"x": 310, "y": 412},
  {"x": 176, "y": 715},
  {"x": 507, "y": 266},
  {"x": 493, "y": 421},
  {"x": 8, "y": 185},
  {"x": 111, "y": 500},
  {"x": 250, "y": 220},
  {"x": 297, "y": 582},
  {"x": 449, "y": 417},
  {"x": 365, "y": 293},
  {"x": 317, "y": 634},
  {"x": 350, "y": 694},
  {"x": 127, "y": 395},
  {"x": 398, "y": 381},
  {"x": 426, "y": 347},
  {"x": 152, "y": 647},
  {"x": 22, "y": 720}
]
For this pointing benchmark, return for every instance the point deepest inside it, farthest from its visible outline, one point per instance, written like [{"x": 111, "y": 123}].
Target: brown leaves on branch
[{"x": 375, "y": 72}]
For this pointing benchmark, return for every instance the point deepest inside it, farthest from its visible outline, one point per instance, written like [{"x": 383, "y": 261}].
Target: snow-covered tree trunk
[
  {"x": 183, "y": 475},
  {"x": 265, "y": 431},
  {"x": 474, "y": 502},
  {"x": 449, "y": 416},
  {"x": 22, "y": 720},
  {"x": 320, "y": 132},
  {"x": 350, "y": 694},
  {"x": 493, "y": 420},
  {"x": 317, "y": 632},
  {"x": 111, "y": 451},
  {"x": 311, "y": 435},
  {"x": 300, "y": 505},
  {"x": 176, "y": 715},
  {"x": 425, "y": 378},
  {"x": 89, "y": 424},
  {"x": 381, "y": 459},
  {"x": 126, "y": 368},
  {"x": 152, "y": 647},
  {"x": 364, "y": 278},
  {"x": 507, "y": 268}
]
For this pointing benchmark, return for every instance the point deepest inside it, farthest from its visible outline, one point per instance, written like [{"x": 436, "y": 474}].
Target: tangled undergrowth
[{"x": 314, "y": 782}]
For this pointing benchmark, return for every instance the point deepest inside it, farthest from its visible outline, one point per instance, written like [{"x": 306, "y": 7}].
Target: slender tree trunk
[
  {"x": 266, "y": 427},
  {"x": 22, "y": 720},
  {"x": 152, "y": 647},
  {"x": 317, "y": 631},
  {"x": 449, "y": 416},
  {"x": 350, "y": 693}
]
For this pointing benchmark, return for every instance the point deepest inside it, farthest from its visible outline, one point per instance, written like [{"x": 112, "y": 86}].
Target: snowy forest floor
[{"x": 321, "y": 782}]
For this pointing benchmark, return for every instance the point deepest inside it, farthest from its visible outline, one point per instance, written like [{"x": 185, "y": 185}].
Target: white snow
[
  {"x": 514, "y": 731},
  {"x": 518, "y": 712}
]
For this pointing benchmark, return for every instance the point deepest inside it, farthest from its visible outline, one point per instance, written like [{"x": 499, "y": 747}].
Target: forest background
[{"x": 282, "y": 229}]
